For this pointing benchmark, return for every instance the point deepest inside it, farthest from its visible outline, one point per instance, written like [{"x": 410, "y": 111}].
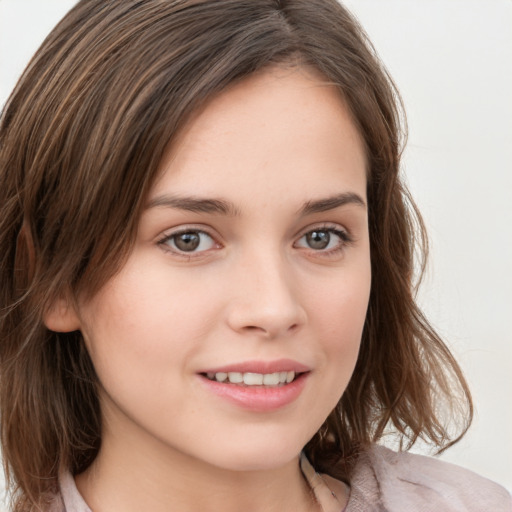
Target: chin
[{"x": 259, "y": 456}]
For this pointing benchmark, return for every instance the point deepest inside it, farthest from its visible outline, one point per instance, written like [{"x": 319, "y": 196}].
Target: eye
[
  {"x": 189, "y": 241},
  {"x": 323, "y": 240}
]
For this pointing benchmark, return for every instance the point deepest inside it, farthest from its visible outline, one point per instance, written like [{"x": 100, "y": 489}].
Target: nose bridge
[{"x": 266, "y": 299}]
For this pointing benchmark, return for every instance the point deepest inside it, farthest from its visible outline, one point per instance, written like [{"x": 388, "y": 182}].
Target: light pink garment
[
  {"x": 383, "y": 481},
  {"x": 386, "y": 481}
]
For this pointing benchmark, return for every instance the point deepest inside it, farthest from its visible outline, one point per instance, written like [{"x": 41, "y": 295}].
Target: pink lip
[
  {"x": 279, "y": 365},
  {"x": 258, "y": 398}
]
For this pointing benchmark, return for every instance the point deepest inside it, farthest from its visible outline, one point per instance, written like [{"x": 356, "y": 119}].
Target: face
[{"x": 233, "y": 329}]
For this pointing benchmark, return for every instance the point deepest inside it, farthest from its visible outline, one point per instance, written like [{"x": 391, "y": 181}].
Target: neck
[{"x": 148, "y": 477}]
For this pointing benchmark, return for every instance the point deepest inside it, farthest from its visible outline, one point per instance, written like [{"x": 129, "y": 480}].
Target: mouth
[
  {"x": 257, "y": 386},
  {"x": 250, "y": 379}
]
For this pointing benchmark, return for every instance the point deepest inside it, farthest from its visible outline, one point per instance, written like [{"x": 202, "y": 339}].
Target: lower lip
[{"x": 258, "y": 398}]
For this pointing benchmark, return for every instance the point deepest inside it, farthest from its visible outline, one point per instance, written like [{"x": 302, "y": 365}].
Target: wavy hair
[{"x": 81, "y": 138}]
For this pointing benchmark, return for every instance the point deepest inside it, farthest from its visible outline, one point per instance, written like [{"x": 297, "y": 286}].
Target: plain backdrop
[{"x": 452, "y": 61}]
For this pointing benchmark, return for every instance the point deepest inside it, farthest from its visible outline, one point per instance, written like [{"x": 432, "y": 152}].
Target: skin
[{"x": 253, "y": 290}]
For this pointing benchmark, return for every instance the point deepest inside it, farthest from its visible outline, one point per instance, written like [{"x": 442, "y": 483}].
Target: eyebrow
[
  {"x": 194, "y": 204},
  {"x": 222, "y": 207},
  {"x": 330, "y": 203}
]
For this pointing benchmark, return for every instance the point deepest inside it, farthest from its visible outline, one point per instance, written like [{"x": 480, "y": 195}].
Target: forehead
[{"x": 277, "y": 128}]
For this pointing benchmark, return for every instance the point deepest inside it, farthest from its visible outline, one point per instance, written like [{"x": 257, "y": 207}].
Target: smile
[
  {"x": 256, "y": 392},
  {"x": 253, "y": 379}
]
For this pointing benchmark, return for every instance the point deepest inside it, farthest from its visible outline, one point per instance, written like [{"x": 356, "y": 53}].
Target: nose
[{"x": 266, "y": 299}]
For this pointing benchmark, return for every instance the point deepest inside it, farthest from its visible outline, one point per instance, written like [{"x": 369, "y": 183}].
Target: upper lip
[{"x": 264, "y": 367}]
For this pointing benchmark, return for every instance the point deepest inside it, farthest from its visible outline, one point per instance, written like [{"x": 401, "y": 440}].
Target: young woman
[{"x": 206, "y": 257}]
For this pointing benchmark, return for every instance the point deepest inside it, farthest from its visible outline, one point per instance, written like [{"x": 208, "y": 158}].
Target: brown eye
[
  {"x": 323, "y": 240},
  {"x": 189, "y": 241}
]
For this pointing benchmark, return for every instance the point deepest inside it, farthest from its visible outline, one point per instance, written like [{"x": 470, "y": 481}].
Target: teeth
[
  {"x": 271, "y": 379},
  {"x": 235, "y": 377},
  {"x": 253, "y": 379}
]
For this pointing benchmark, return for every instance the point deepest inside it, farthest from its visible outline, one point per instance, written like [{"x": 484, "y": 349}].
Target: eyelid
[
  {"x": 340, "y": 231},
  {"x": 174, "y": 232},
  {"x": 325, "y": 226}
]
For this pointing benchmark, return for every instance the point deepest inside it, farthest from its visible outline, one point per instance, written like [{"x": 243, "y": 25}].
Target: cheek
[
  {"x": 338, "y": 317},
  {"x": 141, "y": 340},
  {"x": 144, "y": 324},
  {"x": 337, "y": 320},
  {"x": 339, "y": 310}
]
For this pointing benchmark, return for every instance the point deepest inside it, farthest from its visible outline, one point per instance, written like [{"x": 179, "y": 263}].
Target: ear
[{"x": 62, "y": 317}]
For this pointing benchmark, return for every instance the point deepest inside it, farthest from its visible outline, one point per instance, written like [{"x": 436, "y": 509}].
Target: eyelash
[
  {"x": 171, "y": 237},
  {"x": 345, "y": 240}
]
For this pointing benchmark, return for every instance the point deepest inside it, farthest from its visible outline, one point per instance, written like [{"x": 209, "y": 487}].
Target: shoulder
[
  {"x": 68, "y": 499},
  {"x": 400, "y": 482}
]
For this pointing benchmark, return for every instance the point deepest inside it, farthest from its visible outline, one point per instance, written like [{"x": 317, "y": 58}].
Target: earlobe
[{"x": 62, "y": 317}]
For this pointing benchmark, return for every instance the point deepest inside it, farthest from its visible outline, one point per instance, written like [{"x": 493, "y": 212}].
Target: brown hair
[{"x": 81, "y": 138}]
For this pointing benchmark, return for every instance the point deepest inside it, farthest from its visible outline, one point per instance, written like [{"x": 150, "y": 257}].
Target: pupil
[
  {"x": 318, "y": 239},
  {"x": 187, "y": 241}
]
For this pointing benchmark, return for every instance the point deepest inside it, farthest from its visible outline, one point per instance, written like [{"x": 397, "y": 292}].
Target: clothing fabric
[
  {"x": 386, "y": 481},
  {"x": 382, "y": 481}
]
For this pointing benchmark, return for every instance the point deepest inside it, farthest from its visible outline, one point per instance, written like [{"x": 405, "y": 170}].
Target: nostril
[
  {"x": 254, "y": 328},
  {"x": 294, "y": 327},
  {"x": 263, "y": 319}
]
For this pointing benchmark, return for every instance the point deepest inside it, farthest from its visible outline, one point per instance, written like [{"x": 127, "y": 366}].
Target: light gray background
[{"x": 452, "y": 61}]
